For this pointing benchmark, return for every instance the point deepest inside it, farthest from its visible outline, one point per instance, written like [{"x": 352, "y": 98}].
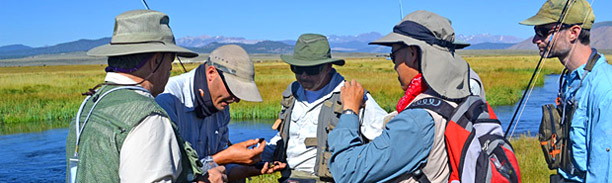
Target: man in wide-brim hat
[
  {"x": 423, "y": 54},
  {"x": 310, "y": 109},
  {"x": 120, "y": 134},
  {"x": 198, "y": 102}
]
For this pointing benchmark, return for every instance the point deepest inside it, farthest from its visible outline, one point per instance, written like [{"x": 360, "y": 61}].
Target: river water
[{"x": 40, "y": 156}]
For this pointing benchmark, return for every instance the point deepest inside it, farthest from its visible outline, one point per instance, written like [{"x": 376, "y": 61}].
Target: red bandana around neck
[{"x": 415, "y": 88}]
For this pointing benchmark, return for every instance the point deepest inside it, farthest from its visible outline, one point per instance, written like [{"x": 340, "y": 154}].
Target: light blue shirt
[
  {"x": 207, "y": 136},
  {"x": 591, "y": 127},
  {"x": 402, "y": 148}
]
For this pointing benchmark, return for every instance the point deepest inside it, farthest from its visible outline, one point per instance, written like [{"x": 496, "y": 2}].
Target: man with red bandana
[{"x": 411, "y": 147}]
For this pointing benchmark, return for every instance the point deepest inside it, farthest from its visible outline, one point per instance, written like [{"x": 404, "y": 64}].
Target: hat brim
[
  {"x": 128, "y": 49},
  {"x": 243, "y": 89},
  {"x": 460, "y": 44},
  {"x": 444, "y": 72},
  {"x": 537, "y": 20},
  {"x": 291, "y": 60}
]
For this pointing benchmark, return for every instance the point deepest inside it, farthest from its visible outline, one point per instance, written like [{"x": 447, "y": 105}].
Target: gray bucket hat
[
  {"x": 310, "y": 50},
  {"x": 141, "y": 31},
  {"x": 238, "y": 71},
  {"x": 444, "y": 71}
]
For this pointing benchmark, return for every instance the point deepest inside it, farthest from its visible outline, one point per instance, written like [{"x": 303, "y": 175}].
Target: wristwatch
[{"x": 349, "y": 111}]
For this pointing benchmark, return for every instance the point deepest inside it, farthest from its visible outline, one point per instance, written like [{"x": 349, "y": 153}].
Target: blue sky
[{"x": 49, "y": 22}]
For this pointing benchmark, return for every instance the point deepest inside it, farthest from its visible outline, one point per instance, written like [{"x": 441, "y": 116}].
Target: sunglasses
[
  {"x": 544, "y": 32},
  {"x": 309, "y": 70},
  {"x": 393, "y": 52}
]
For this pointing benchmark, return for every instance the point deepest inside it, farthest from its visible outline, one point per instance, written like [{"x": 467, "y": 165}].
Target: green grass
[{"x": 31, "y": 94}]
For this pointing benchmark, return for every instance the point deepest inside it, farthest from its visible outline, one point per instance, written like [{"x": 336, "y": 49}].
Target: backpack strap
[{"x": 435, "y": 104}]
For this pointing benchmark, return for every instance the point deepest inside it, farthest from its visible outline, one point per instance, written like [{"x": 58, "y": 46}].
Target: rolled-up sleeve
[{"x": 401, "y": 148}]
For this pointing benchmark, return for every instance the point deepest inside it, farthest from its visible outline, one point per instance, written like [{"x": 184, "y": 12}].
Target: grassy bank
[{"x": 31, "y": 94}]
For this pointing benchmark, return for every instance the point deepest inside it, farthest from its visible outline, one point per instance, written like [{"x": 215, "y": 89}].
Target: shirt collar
[
  {"x": 117, "y": 78},
  {"x": 333, "y": 84}
]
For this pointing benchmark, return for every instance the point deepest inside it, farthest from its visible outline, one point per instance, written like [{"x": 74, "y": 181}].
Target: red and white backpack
[{"x": 477, "y": 149}]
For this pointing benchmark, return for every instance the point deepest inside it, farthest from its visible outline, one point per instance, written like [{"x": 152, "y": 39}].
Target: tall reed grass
[{"x": 34, "y": 94}]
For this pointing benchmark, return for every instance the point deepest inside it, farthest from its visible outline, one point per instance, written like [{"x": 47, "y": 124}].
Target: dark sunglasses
[
  {"x": 544, "y": 32},
  {"x": 224, "y": 82},
  {"x": 393, "y": 52},
  {"x": 310, "y": 70}
]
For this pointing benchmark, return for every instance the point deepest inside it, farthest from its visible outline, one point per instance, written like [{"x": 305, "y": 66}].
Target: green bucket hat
[
  {"x": 443, "y": 70},
  {"x": 141, "y": 31},
  {"x": 579, "y": 12},
  {"x": 310, "y": 50}
]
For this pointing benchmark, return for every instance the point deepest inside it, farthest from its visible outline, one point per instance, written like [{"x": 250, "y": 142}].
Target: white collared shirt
[{"x": 304, "y": 120}]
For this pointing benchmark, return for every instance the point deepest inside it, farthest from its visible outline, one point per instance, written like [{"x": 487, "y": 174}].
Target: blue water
[
  {"x": 40, "y": 156},
  {"x": 529, "y": 122}
]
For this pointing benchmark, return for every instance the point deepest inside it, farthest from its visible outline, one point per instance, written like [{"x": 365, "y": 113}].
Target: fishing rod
[
  {"x": 145, "y": 4},
  {"x": 401, "y": 10},
  {"x": 546, "y": 53}
]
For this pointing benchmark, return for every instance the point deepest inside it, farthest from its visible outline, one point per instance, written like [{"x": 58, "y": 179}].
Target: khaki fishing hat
[
  {"x": 310, "y": 50},
  {"x": 579, "y": 12},
  {"x": 141, "y": 31},
  {"x": 444, "y": 71},
  {"x": 238, "y": 71}
]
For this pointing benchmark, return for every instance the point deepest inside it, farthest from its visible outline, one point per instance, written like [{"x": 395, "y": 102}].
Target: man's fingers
[{"x": 249, "y": 143}]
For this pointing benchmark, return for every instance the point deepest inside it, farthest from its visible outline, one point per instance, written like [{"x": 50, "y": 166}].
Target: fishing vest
[
  {"x": 117, "y": 110},
  {"x": 556, "y": 121},
  {"x": 329, "y": 115}
]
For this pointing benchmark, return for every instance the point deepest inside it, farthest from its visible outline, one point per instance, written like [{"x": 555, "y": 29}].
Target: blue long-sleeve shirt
[
  {"x": 591, "y": 126},
  {"x": 402, "y": 148}
]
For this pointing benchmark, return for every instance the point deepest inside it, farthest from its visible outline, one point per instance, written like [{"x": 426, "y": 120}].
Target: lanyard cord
[{"x": 79, "y": 128}]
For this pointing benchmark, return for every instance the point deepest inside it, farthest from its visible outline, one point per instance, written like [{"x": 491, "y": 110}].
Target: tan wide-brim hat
[
  {"x": 443, "y": 70},
  {"x": 141, "y": 31},
  {"x": 238, "y": 71}
]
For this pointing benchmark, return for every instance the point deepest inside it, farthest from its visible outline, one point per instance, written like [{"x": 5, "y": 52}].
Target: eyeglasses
[
  {"x": 310, "y": 70},
  {"x": 393, "y": 52},
  {"x": 543, "y": 32}
]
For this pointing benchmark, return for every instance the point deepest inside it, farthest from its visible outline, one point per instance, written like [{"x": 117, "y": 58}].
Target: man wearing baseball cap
[
  {"x": 310, "y": 109},
  {"x": 585, "y": 95},
  {"x": 413, "y": 141},
  {"x": 119, "y": 133},
  {"x": 198, "y": 102}
]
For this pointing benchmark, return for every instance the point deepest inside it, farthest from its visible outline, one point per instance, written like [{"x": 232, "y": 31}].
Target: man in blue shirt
[
  {"x": 198, "y": 102},
  {"x": 411, "y": 146},
  {"x": 587, "y": 85}
]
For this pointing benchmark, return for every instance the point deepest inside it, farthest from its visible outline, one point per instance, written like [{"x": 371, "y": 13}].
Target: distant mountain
[
  {"x": 489, "y": 46},
  {"x": 357, "y": 43},
  {"x": 601, "y": 38},
  {"x": 14, "y": 47},
  {"x": 274, "y": 47},
  {"x": 74, "y": 46},
  {"x": 487, "y": 38},
  {"x": 203, "y": 40}
]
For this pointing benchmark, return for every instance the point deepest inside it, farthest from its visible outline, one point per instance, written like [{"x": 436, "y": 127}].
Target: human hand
[
  {"x": 276, "y": 166},
  {"x": 240, "y": 153},
  {"x": 351, "y": 95},
  {"x": 217, "y": 175}
]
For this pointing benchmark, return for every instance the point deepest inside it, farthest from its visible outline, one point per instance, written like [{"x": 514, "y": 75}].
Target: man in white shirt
[{"x": 311, "y": 109}]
